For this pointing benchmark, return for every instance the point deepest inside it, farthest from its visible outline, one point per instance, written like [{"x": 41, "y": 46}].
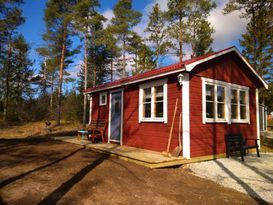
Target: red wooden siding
[
  {"x": 147, "y": 135},
  {"x": 100, "y": 112},
  {"x": 150, "y": 135},
  {"x": 208, "y": 139}
]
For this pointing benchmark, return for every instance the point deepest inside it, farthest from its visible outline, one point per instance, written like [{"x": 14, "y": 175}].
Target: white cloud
[
  {"x": 108, "y": 13},
  {"x": 228, "y": 28}
]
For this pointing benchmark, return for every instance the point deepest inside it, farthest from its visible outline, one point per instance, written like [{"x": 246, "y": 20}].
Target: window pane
[
  {"x": 103, "y": 99},
  {"x": 234, "y": 111},
  {"x": 209, "y": 109},
  {"x": 221, "y": 110},
  {"x": 220, "y": 94},
  {"x": 210, "y": 92},
  {"x": 234, "y": 96},
  {"x": 147, "y": 110},
  {"x": 242, "y": 97},
  {"x": 147, "y": 95},
  {"x": 243, "y": 112},
  {"x": 159, "y": 109},
  {"x": 159, "y": 91}
]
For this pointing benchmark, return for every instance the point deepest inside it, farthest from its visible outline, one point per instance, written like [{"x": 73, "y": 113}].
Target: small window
[
  {"x": 103, "y": 99},
  {"x": 153, "y": 101}
]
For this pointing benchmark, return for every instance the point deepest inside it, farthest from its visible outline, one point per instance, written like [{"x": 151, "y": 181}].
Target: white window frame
[
  {"x": 246, "y": 90},
  {"x": 100, "y": 99},
  {"x": 228, "y": 87},
  {"x": 152, "y": 85}
]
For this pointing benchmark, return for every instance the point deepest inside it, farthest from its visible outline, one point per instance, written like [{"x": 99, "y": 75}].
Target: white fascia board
[
  {"x": 139, "y": 80},
  {"x": 191, "y": 66}
]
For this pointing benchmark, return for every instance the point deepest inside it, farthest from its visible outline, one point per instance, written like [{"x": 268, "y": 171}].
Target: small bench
[
  {"x": 96, "y": 130},
  {"x": 236, "y": 142}
]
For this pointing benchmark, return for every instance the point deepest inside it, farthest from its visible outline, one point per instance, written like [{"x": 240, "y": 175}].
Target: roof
[{"x": 187, "y": 65}]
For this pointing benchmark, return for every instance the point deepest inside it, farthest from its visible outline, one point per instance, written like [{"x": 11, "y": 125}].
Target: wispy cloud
[{"x": 108, "y": 14}]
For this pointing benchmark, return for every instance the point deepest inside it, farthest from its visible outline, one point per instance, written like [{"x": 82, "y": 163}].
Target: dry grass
[{"x": 35, "y": 129}]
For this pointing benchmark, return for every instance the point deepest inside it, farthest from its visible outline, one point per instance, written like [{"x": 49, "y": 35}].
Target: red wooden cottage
[{"x": 217, "y": 93}]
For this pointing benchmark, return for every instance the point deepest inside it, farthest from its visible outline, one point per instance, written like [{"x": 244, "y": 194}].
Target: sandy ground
[
  {"x": 55, "y": 172},
  {"x": 253, "y": 177}
]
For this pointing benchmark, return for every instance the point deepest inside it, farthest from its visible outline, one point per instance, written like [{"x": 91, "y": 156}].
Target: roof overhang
[
  {"x": 136, "y": 81},
  {"x": 189, "y": 67}
]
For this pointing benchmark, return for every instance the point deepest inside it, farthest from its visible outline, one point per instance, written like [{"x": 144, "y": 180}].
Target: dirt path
[{"x": 54, "y": 172}]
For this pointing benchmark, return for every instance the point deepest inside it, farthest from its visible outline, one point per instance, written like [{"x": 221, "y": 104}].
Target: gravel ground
[{"x": 253, "y": 177}]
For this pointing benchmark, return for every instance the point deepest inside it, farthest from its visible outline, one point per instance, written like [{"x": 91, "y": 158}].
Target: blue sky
[{"x": 228, "y": 27}]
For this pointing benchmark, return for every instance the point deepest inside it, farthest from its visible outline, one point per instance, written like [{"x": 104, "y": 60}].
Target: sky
[{"x": 228, "y": 28}]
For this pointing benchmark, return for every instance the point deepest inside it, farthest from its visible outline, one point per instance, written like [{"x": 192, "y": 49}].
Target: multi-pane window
[
  {"x": 225, "y": 102},
  {"x": 153, "y": 101},
  {"x": 215, "y": 102},
  {"x": 238, "y": 104}
]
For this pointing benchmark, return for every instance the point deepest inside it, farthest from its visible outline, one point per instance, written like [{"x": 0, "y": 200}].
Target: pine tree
[
  {"x": 145, "y": 60},
  {"x": 157, "y": 33},
  {"x": 125, "y": 18},
  {"x": 10, "y": 18},
  {"x": 177, "y": 13},
  {"x": 257, "y": 42},
  {"x": 198, "y": 29},
  {"x": 87, "y": 21},
  {"x": 58, "y": 18}
]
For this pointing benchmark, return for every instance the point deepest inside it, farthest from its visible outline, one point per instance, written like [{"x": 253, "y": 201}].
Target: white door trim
[{"x": 109, "y": 121}]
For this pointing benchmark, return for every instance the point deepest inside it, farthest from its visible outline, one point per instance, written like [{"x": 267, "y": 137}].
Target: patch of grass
[{"x": 30, "y": 129}]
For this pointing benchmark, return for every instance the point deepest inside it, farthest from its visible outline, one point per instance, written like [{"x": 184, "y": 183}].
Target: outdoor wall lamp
[
  {"x": 180, "y": 78},
  {"x": 88, "y": 96}
]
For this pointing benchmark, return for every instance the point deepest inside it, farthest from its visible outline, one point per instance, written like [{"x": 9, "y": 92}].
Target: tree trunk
[
  {"x": 123, "y": 59},
  {"x": 58, "y": 117},
  {"x": 85, "y": 81},
  {"x": 111, "y": 71},
  {"x": 180, "y": 41},
  {"x": 51, "y": 97},
  {"x": 6, "y": 98},
  {"x": 94, "y": 75}
]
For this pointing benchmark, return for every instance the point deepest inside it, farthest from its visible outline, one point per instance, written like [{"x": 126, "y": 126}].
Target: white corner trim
[
  {"x": 90, "y": 109},
  {"x": 191, "y": 66},
  {"x": 186, "y": 116},
  {"x": 258, "y": 118}
]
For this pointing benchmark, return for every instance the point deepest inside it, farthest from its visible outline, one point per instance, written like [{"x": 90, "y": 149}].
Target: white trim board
[
  {"x": 139, "y": 80},
  {"x": 258, "y": 118},
  {"x": 186, "y": 116}
]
